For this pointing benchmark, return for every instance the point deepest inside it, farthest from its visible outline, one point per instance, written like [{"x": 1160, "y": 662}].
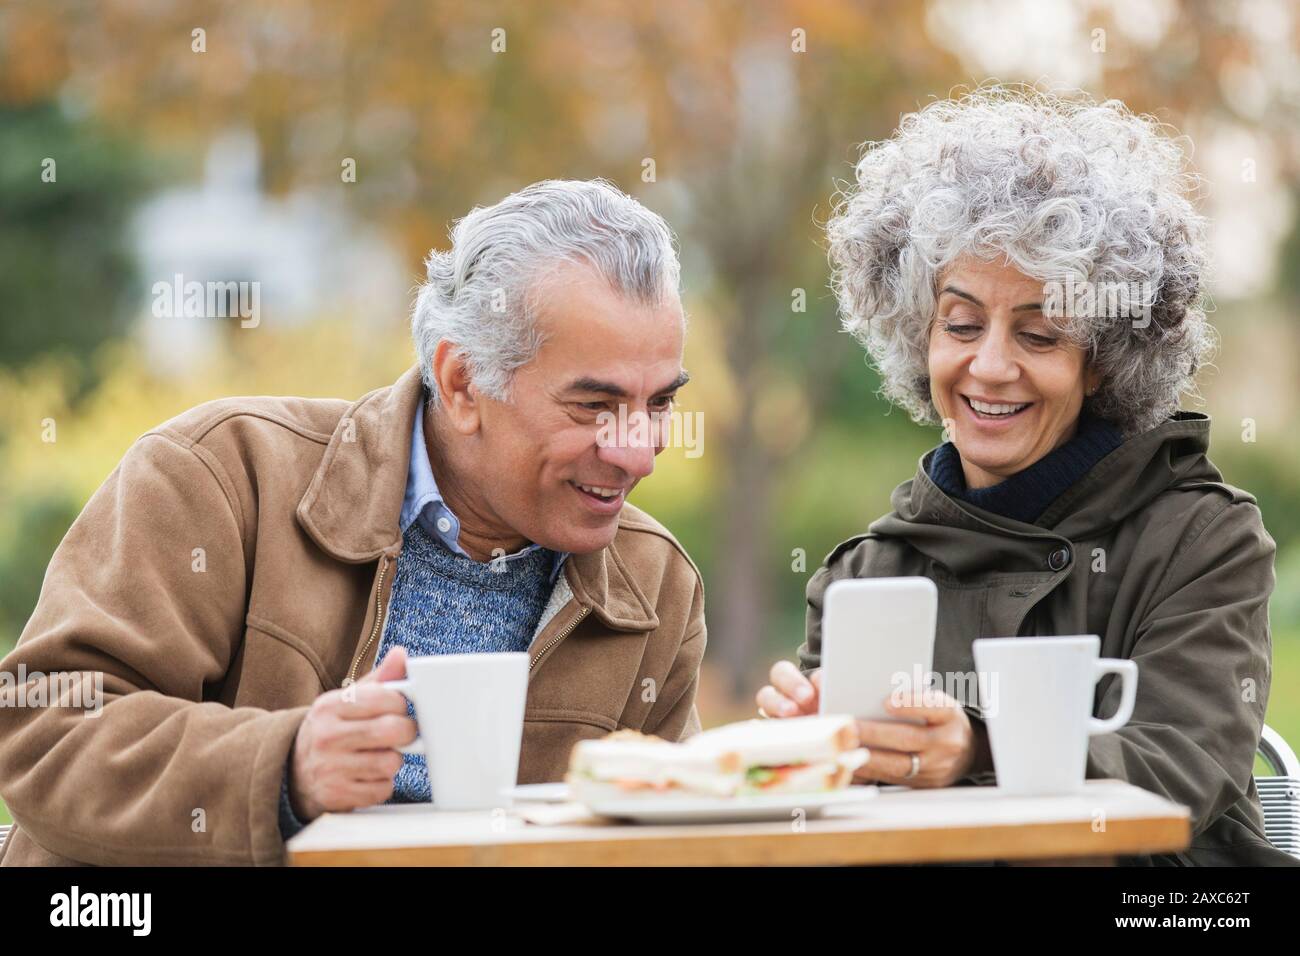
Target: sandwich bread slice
[{"x": 790, "y": 755}]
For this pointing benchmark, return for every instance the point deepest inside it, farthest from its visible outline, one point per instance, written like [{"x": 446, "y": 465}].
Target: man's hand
[{"x": 344, "y": 756}]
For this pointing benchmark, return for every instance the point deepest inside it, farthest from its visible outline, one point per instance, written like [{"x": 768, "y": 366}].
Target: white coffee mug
[
  {"x": 1036, "y": 696},
  {"x": 470, "y": 713}
]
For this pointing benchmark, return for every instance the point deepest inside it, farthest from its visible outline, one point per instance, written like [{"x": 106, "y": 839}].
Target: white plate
[
  {"x": 539, "y": 793},
  {"x": 686, "y": 808}
]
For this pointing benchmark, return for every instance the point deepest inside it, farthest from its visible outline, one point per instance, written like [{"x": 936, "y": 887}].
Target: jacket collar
[
  {"x": 966, "y": 538},
  {"x": 352, "y": 506}
]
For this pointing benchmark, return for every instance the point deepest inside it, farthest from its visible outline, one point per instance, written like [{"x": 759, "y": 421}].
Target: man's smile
[{"x": 601, "y": 499}]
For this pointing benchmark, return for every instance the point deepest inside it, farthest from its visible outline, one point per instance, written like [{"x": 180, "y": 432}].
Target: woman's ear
[
  {"x": 457, "y": 397},
  {"x": 1091, "y": 380}
]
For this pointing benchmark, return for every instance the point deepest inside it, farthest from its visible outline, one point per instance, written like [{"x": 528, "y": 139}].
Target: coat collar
[
  {"x": 352, "y": 506},
  {"x": 967, "y": 539}
]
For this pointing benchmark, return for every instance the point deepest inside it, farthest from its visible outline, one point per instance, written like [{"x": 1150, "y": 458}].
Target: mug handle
[
  {"x": 403, "y": 687},
  {"x": 1128, "y": 675}
]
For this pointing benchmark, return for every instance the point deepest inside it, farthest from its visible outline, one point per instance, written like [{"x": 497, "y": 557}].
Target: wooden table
[{"x": 1108, "y": 818}]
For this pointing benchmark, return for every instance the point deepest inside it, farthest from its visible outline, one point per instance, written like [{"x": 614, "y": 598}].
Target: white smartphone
[{"x": 877, "y": 638}]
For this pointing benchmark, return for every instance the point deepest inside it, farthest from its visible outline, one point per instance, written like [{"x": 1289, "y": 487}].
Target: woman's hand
[
  {"x": 790, "y": 694},
  {"x": 946, "y": 744}
]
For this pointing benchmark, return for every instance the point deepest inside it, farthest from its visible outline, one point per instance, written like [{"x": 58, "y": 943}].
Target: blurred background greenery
[{"x": 213, "y": 141}]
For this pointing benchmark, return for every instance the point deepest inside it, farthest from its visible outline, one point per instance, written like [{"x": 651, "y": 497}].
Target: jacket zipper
[
  {"x": 557, "y": 638},
  {"x": 374, "y": 631}
]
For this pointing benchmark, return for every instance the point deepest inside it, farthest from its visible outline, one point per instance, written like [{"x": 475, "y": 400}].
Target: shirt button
[
  {"x": 444, "y": 525},
  {"x": 1058, "y": 559}
]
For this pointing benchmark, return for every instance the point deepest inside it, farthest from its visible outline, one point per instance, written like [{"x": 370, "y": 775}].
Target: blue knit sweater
[
  {"x": 445, "y": 603},
  {"x": 448, "y": 603}
]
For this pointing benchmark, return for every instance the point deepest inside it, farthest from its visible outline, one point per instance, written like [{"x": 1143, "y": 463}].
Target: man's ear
[{"x": 457, "y": 398}]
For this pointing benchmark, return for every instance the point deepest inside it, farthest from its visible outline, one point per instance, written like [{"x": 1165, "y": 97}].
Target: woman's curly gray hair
[{"x": 1062, "y": 186}]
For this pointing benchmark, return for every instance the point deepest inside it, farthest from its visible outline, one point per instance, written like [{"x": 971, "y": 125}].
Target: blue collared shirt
[{"x": 424, "y": 502}]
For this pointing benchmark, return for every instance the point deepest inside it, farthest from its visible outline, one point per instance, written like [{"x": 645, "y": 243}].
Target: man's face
[{"x": 552, "y": 476}]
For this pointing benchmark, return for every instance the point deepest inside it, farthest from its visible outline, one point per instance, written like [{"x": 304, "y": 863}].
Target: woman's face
[{"x": 1007, "y": 385}]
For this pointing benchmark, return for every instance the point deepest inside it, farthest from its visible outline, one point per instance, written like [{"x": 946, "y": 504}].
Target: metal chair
[{"x": 1279, "y": 794}]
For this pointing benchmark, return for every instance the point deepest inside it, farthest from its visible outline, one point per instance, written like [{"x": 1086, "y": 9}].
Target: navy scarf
[{"x": 1025, "y": 495}]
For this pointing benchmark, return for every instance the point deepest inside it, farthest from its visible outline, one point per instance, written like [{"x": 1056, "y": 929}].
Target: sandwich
[{"x": 791, "y": 755}]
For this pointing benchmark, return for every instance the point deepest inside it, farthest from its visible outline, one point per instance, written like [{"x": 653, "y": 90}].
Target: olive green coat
[{"x": 1152, "y": 552}]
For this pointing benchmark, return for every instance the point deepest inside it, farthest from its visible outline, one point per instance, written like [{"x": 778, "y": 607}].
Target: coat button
[{"x": 1058, "y": 559}]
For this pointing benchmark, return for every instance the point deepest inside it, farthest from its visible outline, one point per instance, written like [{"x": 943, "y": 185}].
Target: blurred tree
[
  {"x": 41, "y": 524},
  {"x": 65, "y": 196},
  {"x": 733, "y": 119}
]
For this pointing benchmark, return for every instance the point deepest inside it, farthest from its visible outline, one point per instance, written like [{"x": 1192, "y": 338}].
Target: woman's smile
[{"x": 996, "y": 414}]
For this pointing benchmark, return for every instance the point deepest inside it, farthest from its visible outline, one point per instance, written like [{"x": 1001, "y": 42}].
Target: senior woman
[{"x": 1026, "y": 269}]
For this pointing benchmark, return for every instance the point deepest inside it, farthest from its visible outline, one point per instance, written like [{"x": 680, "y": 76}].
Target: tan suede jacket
[{"x": 235, "y": 565}]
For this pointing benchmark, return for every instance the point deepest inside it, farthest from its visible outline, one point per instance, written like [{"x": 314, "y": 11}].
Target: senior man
[{"x": 251, "y": 559}]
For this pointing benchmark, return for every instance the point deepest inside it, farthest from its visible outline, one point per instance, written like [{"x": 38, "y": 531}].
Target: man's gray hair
[
  {"x": 480, "y": 294},
  {"x": 1067, "y": 189}
]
